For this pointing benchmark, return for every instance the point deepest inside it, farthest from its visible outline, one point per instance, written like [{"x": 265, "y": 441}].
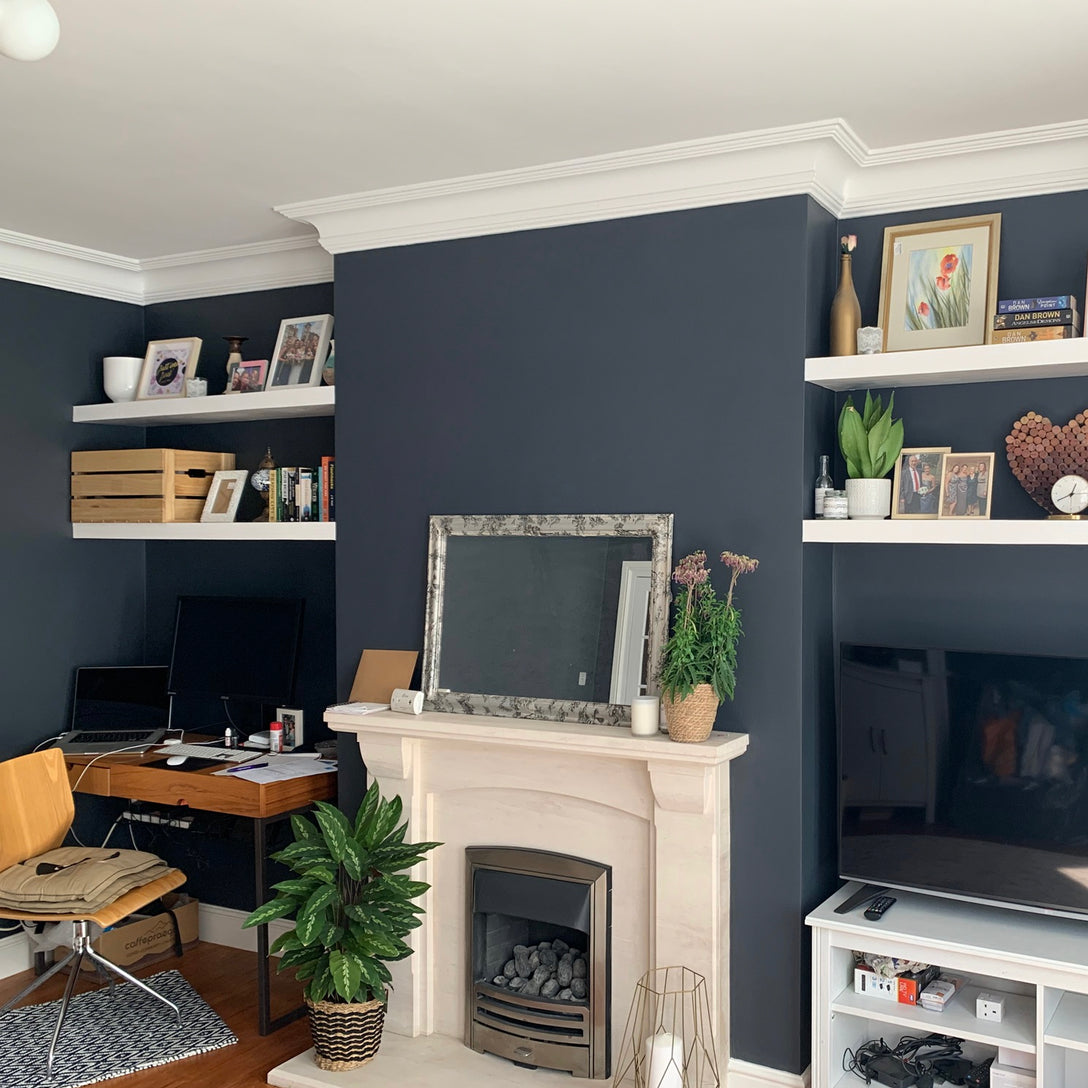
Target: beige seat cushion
[{"x": 76, "y": 879}]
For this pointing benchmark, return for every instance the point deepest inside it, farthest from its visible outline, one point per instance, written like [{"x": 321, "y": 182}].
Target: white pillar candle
[
  {"x": 665, "y": 1061},
  {"x": 645, "y": 715}
]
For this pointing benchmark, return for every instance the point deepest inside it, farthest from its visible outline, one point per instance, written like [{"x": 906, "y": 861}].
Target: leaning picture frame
[
  {"x": 916, "y": 486},
  {"x": 167, "y": 366},
  {"x": 966, "y": 485},
  {"x": 224, "y": 495},
  {"x": 247, "y": 376},
  {"x": 938, "y": 283},
  {"x": 301, "y": 347}
]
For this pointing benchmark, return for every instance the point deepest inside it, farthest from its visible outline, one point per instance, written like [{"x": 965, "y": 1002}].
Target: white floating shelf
[
  {"x": 216, "y": 530},
  {"x": 947, "y": 531},
  {"x": 952, "y": 366},
  {"x": 293, "y": 403}
]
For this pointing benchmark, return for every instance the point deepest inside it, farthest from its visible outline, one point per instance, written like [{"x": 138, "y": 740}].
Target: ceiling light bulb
[{"x": 29, "y": 29}]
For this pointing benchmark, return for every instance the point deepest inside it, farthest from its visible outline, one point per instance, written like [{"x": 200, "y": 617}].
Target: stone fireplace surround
[{"x": 655, "y": 810}]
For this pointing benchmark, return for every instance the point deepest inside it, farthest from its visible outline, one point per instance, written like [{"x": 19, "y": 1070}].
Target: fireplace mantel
[{"x": 654, "y": 810}]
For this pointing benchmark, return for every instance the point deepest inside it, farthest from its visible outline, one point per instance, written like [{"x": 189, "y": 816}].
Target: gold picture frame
[
  {"x": 916, "y": 489},
  {"x": 938, "y": 283},
  {"x": 965, "y": 493}
]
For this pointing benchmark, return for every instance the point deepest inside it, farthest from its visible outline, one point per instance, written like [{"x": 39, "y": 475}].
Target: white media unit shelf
[{"x": 1038, "y": 962}]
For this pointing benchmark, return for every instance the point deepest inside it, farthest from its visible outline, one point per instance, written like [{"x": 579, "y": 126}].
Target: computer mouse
[{"x": 176, "y": 761}]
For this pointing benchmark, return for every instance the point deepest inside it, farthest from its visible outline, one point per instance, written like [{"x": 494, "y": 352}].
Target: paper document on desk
[
  {"x": 357, "y": 708},
  {"x": 278, "y": 768}
]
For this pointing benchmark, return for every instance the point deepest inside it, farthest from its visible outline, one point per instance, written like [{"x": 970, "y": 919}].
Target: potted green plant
[
  {"x": 352, "y": 906},
  {"x": 699, "y": 664},
  {"x": 871, "y": 442}
]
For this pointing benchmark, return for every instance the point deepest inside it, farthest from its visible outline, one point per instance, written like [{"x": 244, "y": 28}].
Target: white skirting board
[
  {"x": 14, "y": 954},
  {"x": 746, "y": 1075},
  {"x": 223, "y": 925}
]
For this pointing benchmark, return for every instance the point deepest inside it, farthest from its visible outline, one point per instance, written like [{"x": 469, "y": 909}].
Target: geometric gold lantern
[{"x": 668, "y": 1041}]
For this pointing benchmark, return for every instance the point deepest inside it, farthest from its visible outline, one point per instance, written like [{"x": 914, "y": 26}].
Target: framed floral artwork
[
  {"x": 300, "y": 352},
  {"x": 167, "y": 365},
  {"x": 938, "y": 283},
  {"x": 966, "y": 485},
  {"x": 917, "y": 484}
]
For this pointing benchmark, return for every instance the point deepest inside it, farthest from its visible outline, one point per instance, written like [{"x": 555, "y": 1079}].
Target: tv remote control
[{"x": 875, "y": 910}]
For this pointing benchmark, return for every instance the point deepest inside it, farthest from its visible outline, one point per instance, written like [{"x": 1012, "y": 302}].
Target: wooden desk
[{"x": 128, "y": 776}]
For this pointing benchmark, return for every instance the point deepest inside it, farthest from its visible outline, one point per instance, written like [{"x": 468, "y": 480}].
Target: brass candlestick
[{"x": 234, "y": 343}]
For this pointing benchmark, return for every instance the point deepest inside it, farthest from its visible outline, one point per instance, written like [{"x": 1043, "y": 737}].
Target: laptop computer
[{"x": 115, "y": 707}]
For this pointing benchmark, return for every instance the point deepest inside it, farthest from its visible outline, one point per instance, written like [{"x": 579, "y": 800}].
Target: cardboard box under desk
[
  {"x": 155, "y": 485},
  {"x": 142, "y": 939}
]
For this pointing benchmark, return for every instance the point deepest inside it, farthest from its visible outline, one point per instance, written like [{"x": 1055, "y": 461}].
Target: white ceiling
[{"x": 164, "y": 127}]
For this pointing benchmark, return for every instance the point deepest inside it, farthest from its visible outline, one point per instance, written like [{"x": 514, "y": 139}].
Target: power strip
[{"x": 182, "y": 820}]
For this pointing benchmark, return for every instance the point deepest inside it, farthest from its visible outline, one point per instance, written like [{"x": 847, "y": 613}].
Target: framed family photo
[
  {"x": 300, "y": 352},
  {"x": 247, "y": 377},
  {"x": 938, "y": 283},
  {"x": 966, "y": 485},
  {"x": 224, "y": 495},
  {"x": 167, "y": 364},
  {"x": 916, "y": 487}
]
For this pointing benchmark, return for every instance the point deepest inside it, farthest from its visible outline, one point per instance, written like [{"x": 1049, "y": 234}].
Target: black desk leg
[{"x": 266, "y": 1025}]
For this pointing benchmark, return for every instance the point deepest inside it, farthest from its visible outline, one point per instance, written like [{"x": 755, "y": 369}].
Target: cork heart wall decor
[{"x": 1041, "y": 452}]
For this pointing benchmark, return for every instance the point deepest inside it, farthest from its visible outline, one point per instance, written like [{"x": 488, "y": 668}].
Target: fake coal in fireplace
[{"x": 539, "y": 959}]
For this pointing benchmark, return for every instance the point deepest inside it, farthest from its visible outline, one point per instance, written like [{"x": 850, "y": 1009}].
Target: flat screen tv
[
  {"x": 965, "y": 774},
  {"x": 236, "y": 648}
]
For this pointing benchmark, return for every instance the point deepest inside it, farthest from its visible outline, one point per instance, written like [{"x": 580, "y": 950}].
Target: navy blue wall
[
  {"x": 640, "y": 365},
  {"x": 66, "y": 602}
]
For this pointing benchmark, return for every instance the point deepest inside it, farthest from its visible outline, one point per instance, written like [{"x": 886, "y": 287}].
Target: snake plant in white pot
[{"x": 871, "y": 442}]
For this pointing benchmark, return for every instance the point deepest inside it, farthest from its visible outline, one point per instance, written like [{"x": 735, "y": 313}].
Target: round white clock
[{"x": 1070, "y": 494}]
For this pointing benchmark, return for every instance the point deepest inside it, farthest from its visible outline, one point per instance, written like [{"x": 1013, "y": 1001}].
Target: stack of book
[
  {"x": 939, "y": 992},
  {"x": 1048, "y": 317},
  {"x": 303, "y": 494}
]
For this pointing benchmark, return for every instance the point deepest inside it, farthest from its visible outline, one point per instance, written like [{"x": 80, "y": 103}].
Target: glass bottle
[{"x": 824, "y": 484}]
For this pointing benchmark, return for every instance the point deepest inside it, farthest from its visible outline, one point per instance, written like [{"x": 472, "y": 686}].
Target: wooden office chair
[{"x": 36, "y": 811}]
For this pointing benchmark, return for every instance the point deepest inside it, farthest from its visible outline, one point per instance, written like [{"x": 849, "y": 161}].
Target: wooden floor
[{"x": 227, "y": 980}]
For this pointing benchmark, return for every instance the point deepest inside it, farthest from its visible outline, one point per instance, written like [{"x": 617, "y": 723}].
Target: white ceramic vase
[
  {"x": 120, "y": 376},
  {"x": 869, "y": 498}
]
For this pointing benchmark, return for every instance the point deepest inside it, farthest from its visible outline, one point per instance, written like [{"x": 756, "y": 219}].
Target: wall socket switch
[{"x": 990, "y": 1007}]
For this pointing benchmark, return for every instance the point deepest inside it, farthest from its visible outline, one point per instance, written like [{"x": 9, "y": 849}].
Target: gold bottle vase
[{"x": 845, "y": 312}]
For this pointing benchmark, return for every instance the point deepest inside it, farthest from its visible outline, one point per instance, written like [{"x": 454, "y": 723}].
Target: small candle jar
[
  {"x": 645, "y": 715},
  {"x": 196, "y": 387},
  {"x": 835, "y": 505},
  {"x": 870, "y": 340}
]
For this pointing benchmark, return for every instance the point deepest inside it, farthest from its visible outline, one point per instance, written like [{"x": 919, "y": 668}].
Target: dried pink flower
[{"x": 739, "y": 564}]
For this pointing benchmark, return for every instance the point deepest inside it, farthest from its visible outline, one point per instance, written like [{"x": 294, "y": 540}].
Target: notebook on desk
[{"x": 117, "y": 707}]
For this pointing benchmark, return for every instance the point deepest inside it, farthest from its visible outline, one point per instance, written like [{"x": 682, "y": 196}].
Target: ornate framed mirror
[{"x": 560, "y": 617}]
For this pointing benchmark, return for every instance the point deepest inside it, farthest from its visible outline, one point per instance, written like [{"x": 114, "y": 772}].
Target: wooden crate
[{"x": 143, "y": 485}]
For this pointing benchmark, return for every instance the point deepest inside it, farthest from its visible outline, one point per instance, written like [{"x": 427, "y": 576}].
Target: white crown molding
[
  {"x": 825, "y": 160},
  {"x": 259, "y": 266}
]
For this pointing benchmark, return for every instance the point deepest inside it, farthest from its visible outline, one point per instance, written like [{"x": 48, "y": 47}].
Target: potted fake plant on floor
[
  {"x": 352, "y": 906},
  {"x": 871, "y": 442},
  {"x": 699, "y": 668}
]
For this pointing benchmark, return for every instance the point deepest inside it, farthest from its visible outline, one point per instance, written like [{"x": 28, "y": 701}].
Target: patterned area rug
[{"x": 106, "y": 1036}]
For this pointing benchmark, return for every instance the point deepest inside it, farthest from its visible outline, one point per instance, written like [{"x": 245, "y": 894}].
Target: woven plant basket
[
  {"x": 345, "y": 1036},
  {"x": 691, "y": 718}
]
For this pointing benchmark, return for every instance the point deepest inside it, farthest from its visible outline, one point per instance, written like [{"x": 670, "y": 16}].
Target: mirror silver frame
[{"x": 656, "y": 526}]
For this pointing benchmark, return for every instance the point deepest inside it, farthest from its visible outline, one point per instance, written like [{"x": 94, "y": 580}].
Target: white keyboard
[{"x": 207, "y": 751}]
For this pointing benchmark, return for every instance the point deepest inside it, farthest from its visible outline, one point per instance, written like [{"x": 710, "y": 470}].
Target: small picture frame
[
  {"x": 247, "y": 376},
  {"x": 224, "y": 495},
  {"x": 966, "y": 485},
  {"x": 916, "y": 490},
  {"x": 301, "y": 347},
  {"x": 938, "y": 283},
  {"x": 292, "y": 727},
  {"x": 167, "y": 366}
]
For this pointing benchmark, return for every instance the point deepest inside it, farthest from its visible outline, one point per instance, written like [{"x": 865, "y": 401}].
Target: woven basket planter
[
  {"x": 691, "y": 718},
  {"x": 345, "y": 1036}
]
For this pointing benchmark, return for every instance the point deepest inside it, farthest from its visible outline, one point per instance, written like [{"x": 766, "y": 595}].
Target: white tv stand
[{"x": 1040, "y": 962}]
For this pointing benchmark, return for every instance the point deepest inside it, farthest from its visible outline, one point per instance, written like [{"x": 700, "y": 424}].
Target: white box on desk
[{"x": 1008, "y": 1076}]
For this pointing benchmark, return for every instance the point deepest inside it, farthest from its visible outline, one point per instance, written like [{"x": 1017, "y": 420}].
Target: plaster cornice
[{"x": 825, "y": 160}]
